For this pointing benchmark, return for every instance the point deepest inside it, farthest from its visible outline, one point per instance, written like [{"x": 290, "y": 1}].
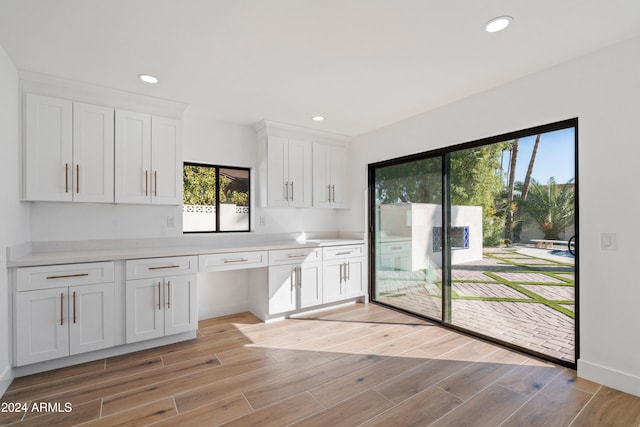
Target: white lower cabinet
[
  {"x": 54, "y": 320},
  {"x": 295, "y": 280},
  {"x": 344, "y": 273},
  {"x": 164, "y": 303}
]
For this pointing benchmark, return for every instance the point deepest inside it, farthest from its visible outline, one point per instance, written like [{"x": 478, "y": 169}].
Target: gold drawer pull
[
  {"x": 68, "y": 276},
  {"x": 163, "y": 267},
  {"x": 228, "y": 261},
  {"x": 297, "y": 256},
  {"x": 344, "y": 253}
]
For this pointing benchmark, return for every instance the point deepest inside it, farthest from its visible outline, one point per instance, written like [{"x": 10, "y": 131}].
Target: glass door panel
[
  {"x": 408, "y": 236},
  {"x": 512, "y": 215}
]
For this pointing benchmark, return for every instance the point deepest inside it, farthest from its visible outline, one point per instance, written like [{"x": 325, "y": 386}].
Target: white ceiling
[{"x": 361, "y": 63}]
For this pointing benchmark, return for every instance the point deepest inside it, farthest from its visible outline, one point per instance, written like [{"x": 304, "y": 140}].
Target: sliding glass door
[
  {"x": 408, "y": 236},
  {"x": 481, "y": 237}
]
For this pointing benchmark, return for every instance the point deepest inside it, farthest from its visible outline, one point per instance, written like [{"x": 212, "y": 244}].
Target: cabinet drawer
[
  {"x": 294, "y": 256},
  {"x": 395, "y": 247},
  {"x": 346, "y": 251},
  {"x": 232, "y": 261},
  {"x": 51, "y": 276},
  {"x": 161, "y": 267}
]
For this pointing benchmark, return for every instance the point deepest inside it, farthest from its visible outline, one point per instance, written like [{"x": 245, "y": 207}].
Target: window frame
[{"x": 217, "y": 204}]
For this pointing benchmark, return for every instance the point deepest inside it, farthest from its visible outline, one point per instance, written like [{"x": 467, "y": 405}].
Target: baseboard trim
[
  {"x": 5, "y": 380},
  {"x": 613, "y": 378}
]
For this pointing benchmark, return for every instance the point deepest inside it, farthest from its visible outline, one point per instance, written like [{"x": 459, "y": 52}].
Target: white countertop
[{"x": 51, "y": 253}]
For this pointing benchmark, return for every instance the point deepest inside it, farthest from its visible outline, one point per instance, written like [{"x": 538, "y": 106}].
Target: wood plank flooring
[{"x": 359, "y": 364}]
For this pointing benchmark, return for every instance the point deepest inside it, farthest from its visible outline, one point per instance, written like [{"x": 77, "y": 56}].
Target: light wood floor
[{"x": 360, "y": 364}]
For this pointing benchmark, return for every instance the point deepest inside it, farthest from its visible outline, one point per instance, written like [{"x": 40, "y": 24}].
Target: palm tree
[
  {"x": 508, "y": 225},
  {"x": 551, "y": 206}
]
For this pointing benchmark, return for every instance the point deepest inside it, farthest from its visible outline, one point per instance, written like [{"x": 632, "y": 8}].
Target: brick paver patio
[{"x": 521, "y": 298}]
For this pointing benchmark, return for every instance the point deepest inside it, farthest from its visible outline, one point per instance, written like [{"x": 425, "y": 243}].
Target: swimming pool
[{"x": 561, "y": 252}]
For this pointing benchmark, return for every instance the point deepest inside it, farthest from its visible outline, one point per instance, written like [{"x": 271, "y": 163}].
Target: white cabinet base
[{"x": 63, "y": 362}]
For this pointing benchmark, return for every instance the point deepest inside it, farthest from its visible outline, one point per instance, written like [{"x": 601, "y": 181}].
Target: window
[{"x": 216, "y": 199}]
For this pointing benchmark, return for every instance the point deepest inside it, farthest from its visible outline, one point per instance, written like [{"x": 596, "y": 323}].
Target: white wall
[
  {"x": 13, "y": 214},
  {"x": 603, "y": 91}
]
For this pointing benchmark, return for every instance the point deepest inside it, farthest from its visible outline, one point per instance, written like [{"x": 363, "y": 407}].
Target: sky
[{"x": 555, "y": 157}]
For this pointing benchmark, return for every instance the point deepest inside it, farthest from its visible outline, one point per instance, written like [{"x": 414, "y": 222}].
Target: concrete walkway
[{"x": 523, "y": 297}]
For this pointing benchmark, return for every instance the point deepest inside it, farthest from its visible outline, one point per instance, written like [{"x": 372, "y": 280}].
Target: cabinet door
[
  {"x": 133, "y": 157},
  {"x": 354, "y": 277},
  {"x": 310, "y": 289},
  {"x": 166, "y": 161},
  {"x": 91, "y": 317},
  {"x": 278, "y": 191},
  {"x": 145, "y": 311},
  {"x": 48, "y": 148},
  {"x": 42, "y": 325},
  {"x": 93, "y": 151},
  {"x": 282, "y": 288},
  {"x": 339, "y": 177},
  {"x": 300, "y": 174},
  {"x": 321, "y": 176},
  {"x": 181, "y": 308},
  {"x": 333, "y": 286}
]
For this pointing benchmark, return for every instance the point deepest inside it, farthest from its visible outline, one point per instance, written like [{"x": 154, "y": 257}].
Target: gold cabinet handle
[
  {"x": 155, "y": 183},
  {"x": 292, "y": 193},
  {"x": 292, "y": 276},
  {"x": 66, "y": 276},
  {"x": 146, "y": 182},
  {"x": 229, "y": 261},
  {"x": 329, "y": 187},
  {"x": 159, "y": 307},
  {"x": 297, "y": 256},
  {"x": 348, "y": 271},
  {"x": 286, "y": 187},
  {"x": 300, "y": 277},
  {"x": 163, "y": 267},
  {"x": 66, "y": 177},
  {"x": 169, "y": 294},
  {"x": 61, "y": 309},
  {"x": 77, "y": 178},
  {"x": 74, "y": 307},
  {"x": 333, "y": 190}
]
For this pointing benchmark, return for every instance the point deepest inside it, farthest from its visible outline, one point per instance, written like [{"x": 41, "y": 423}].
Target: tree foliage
[
  {"x": 200, "y": 187},
  {"x": 551, "y": 206},
  {"x": 412, "y": 182},
  {"x": 476, "y": 180}
]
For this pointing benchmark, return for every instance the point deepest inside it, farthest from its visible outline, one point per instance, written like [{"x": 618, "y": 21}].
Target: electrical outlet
[{"x": 171, "y": 221}]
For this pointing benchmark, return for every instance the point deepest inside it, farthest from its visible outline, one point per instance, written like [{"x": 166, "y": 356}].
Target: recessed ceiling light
[
  {"x": 498, "y": 24},
  {"x": 317, "y": 118},
  {"x": 148, "y": 78}
]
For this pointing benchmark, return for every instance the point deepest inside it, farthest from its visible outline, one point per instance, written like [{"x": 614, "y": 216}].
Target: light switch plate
[{"x": 608, "y": 241}]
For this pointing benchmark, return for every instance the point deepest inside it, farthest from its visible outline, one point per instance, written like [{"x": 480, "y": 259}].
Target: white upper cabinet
[
  {"x": 92, "y": 153},
  {"x": 301, "y": 168},
  {"x": 68, "y": 151},
  {"x": 288, "y": 172},
  {"x": 133, "y": 157},
  {"x": 166, "y": 161},
  {"x": 48, "y": 149},
  {"x": 84, "y": 143},
  {"x": 148, "y": 159},
  {"x": 330, "y": 176}
]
